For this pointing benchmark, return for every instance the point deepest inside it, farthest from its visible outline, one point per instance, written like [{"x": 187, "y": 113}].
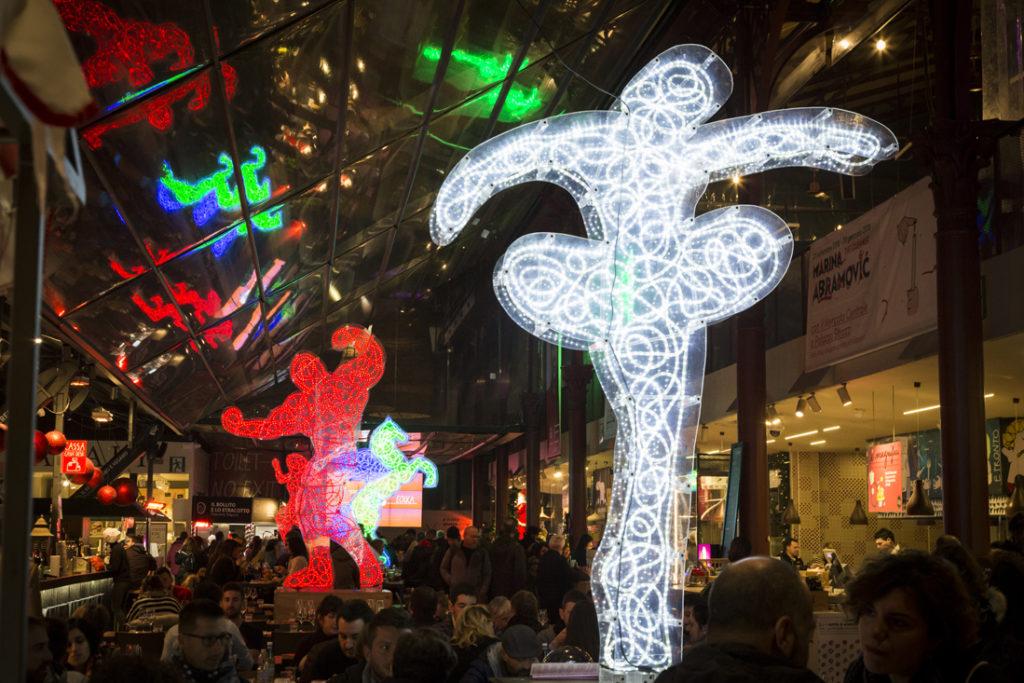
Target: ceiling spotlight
[
  {"x": 844, "y": 44},
  {"x": 844, "y": 395},
  {"x": 880, "y": 45},
  {"x": 773, "y": 415},
  {"x": 102, "y": 415},
  {"x": 801, "y": 407},
  {"x": 813, "y": 403},
  {"x": 80, "y": 380}
]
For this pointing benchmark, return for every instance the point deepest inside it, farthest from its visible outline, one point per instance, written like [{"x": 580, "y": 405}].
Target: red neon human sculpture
[{"x": 327, "y": 408}]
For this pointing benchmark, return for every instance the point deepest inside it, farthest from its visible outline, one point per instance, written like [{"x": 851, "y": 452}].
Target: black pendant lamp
[
  {"x": 919, "y": 505},
  {"x": 790, "y": 516},
  {"x": 858, "y": 516}
]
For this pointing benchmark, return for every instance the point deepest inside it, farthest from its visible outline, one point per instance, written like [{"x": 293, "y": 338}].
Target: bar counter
[{"x": 62, "y": 595}]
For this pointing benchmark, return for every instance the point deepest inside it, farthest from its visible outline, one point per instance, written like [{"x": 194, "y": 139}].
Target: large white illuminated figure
[{"x": 640, "y": 291}]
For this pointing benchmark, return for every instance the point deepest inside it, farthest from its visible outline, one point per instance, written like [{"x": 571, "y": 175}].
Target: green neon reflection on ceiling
[{"x": 484, "y": 69}]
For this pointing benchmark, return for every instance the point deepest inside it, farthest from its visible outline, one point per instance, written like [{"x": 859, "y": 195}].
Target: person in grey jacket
[{"x": 468, "y": 562}]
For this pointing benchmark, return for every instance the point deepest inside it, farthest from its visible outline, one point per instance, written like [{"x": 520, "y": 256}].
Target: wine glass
[{"x": 542, "y": 617}]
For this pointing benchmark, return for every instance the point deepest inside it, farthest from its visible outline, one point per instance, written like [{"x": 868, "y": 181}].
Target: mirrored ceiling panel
[
  {"x": 132, "y": 323},
  {"x": 355, "y": 272},
  {"x": 233, "y": 342},
  {"x": 129, "y": 49},
  {"x": 88, "y": 248},
  {"x": 215, "y": 279},
  {"x": 297, "y": 237},
  {"x": 285, "y": 115},
  {"x": 296, "y": 306},
  {"x": 366, "y": 201},
  {"x": 390, "y": 82},
  {"x": 174, "y": 185},
  {"x": 602, "y": 62},
  {"x": 532, "y": 95},
  {"x": 241, "y": 21}
]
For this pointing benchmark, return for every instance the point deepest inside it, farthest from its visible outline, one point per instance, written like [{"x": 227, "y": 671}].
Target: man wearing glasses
[{"x": 203, "y": 638}]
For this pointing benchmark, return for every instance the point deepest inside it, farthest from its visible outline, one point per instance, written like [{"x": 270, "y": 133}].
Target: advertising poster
[
  {"x": 872, "y": 283},
  {"x": 885, "y": 477},
  {"x": 925, "y": 462},
  {"x": 1006, "y": 453}
]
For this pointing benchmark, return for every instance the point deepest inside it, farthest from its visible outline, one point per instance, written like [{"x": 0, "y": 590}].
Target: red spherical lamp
[
  {"x": 56, "y": 441},
  {"x": 106, "y": 495}
]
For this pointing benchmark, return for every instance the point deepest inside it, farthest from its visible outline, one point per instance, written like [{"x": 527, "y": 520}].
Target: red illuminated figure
[{"x": 327, "y": 408}]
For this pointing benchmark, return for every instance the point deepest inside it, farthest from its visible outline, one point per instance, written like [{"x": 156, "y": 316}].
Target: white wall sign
[{"x": 873, "y": 282}]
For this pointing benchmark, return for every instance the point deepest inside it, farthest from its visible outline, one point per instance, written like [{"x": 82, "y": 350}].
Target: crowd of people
[{"x": 478, "y": 608}]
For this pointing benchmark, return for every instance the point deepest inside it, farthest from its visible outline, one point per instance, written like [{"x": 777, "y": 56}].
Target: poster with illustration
[
  {"x": 885, "y": 477},
  {"x": 925, "y": 462},
  {"x": 1011, "y": 450}
]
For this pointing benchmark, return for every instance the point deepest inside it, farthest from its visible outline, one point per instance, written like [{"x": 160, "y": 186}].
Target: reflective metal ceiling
[{"x": 262, "y": 170}]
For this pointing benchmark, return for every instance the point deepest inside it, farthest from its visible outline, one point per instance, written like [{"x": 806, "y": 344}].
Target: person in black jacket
[
  {"x": 554, "y": 578},
  {"x": 508, "y": 562},
  {"x": 760, "y": 624}
]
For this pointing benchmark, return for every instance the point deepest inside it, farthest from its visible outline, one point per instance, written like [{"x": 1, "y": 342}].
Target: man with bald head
[{"x": 760, "y": 624}]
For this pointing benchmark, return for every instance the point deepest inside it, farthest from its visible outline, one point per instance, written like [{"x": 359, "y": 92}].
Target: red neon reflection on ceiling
[
  {"x": 126, "y": 49},
  {"x": 157, "y": 111},
  {"x": 157, "y": 309}
]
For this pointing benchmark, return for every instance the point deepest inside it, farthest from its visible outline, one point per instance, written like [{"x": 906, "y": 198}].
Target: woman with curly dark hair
[{"x": 915, "y": 621}]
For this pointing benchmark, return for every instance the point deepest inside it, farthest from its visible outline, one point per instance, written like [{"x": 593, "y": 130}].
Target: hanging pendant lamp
[
  {"x": 858, "y": 516},
  {"x": 790, "y": 516},
  {"x": 919, "y": 505}
]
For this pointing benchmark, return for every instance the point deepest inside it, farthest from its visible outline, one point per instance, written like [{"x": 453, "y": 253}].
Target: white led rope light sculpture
[{"x": 639, "y": 293}]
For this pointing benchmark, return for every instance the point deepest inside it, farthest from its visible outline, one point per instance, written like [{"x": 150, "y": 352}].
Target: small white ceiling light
[{"x": 801, "y": 407}]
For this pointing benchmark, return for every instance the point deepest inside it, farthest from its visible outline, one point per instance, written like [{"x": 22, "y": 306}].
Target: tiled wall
[{"x": 826, "y": 486}]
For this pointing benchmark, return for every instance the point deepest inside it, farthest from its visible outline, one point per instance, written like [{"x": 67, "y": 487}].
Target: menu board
[{"x": 885, "y": 477}]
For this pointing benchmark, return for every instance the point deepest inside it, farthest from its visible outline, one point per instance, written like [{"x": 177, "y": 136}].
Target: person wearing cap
[{"x": 512, "y": 656}]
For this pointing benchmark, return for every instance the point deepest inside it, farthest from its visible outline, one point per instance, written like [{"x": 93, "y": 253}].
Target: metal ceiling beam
[
  {"x": 219, "y": 90},
  {"x": 340, "y": 131}
]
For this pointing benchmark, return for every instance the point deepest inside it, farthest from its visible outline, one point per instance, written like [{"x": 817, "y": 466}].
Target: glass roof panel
[
  {"x": 130, "y": 324},
  {"x": 487, "y": 41},
  {"x": 295, "y": 307},
  {"x": 355, "y": 272},
  {"x": 411, "y": 244},
  {"x": 215, "y": 279},
  {"x": 88, "y": 250},
  {"x": 287, "y": 103},
  {"x": 389, "y": 81},
  {"x": 174, "y": 185},
  {"x": 602, "y": 63},
  {"x": 367, "y": 204},
  {"x": 129, "y": 49},
  {"x": 239, "y": 21},
  {"x": 233, "y": 341},
  {"x": 182, "y": 380},
  {"x": 296, "y": 237}
]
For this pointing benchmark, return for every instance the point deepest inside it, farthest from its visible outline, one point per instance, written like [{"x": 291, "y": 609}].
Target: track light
[
  {"x": 102, "y": 415},
  {"x": 801, "y": 407},
  {"x": 773, "y": 415},
  {"x": 844, "y": 395},
  {"x": 813, "y": 403}
]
